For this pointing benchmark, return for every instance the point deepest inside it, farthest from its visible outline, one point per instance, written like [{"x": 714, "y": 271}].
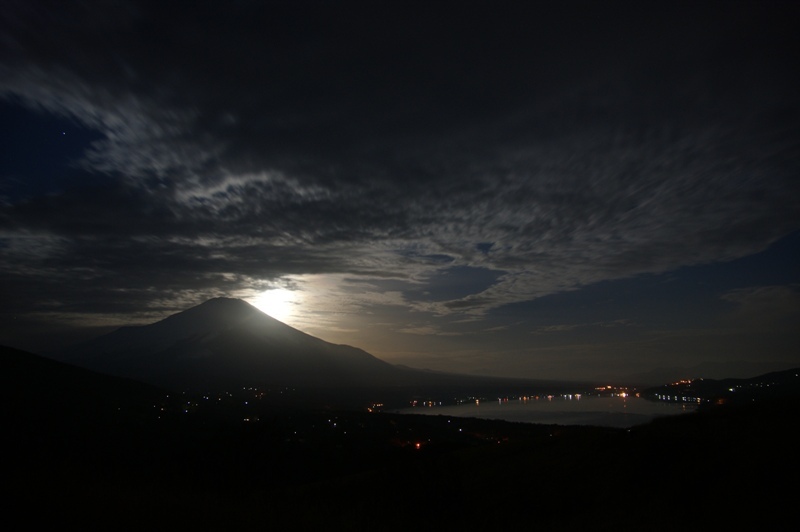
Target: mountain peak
[
  {"x": 223, "y": 342},
  {"x": 225, "y": 309},
  {"x": 224, "y": 301}
]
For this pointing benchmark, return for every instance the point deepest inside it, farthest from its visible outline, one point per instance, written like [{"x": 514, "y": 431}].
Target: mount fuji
[{"x": 225, "y": 343}]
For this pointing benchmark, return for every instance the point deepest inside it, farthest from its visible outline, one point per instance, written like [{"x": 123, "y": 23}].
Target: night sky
[{"x": 562, "y": 190}]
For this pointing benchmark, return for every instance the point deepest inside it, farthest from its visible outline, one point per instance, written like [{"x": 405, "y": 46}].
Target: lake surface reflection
[{"x": 605, "y": 411}]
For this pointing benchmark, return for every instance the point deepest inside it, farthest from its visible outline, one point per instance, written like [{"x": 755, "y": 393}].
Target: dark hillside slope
[
  {"x": 78, "y": 461},
  {"x": 710, "y": 392},
  {"x": 48, "y": 390},
  {"x": 714, "y": 470}
]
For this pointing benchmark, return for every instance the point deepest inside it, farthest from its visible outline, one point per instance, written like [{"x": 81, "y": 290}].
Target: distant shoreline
[{"x": 589, "y": 410}]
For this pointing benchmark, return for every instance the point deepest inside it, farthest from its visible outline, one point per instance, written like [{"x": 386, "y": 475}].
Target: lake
[{"x": 604, "y": 411}]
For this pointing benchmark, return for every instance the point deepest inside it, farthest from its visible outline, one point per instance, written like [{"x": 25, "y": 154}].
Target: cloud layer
[{"x": 550, "y": 146}]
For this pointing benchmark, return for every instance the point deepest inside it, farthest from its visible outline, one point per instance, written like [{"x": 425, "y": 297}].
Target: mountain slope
[
  {"x": 224, "y": 344},
  {"x": 228, "y": 342}
]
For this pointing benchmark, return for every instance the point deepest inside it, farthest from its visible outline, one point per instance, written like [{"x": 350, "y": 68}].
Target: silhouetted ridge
[
  {"x": 208, "y": 318},
  {"x": 227, "y": 343},
  {"x": 46, "y": 387}
]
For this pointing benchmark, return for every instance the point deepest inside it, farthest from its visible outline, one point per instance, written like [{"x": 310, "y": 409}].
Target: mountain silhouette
[{"x": 227, "y": 342}]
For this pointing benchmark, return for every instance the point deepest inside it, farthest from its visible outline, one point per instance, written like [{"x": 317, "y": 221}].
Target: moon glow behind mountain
[{"x": 278, "y": 303}]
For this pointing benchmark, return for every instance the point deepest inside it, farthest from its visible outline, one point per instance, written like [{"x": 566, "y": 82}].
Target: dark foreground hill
[
  {"x": 174, "y": 465},
  {"x": 773, "y": 385}
]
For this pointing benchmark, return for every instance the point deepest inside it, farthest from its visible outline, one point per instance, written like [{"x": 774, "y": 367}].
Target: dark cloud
[{"x": 547, "y": 145}]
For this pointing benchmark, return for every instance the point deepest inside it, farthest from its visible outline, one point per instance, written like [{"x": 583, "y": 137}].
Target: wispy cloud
[{"x": 248, "y": 152}]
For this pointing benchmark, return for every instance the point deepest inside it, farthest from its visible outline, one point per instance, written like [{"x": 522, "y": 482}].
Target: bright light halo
[{"x": 278, "y": 303}]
